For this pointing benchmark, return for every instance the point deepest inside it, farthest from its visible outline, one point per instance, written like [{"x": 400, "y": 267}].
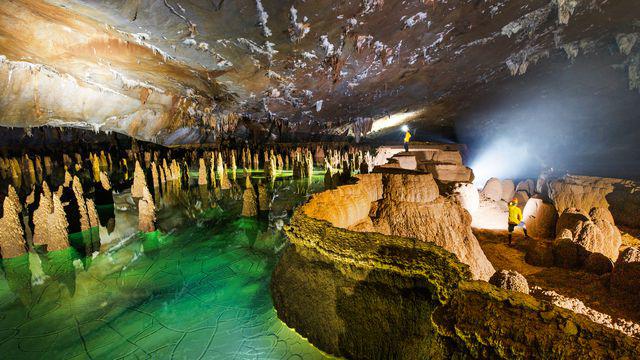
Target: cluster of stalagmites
[
  {"x": 148, "y": 173},
  {"x": 416, "y": 281}
]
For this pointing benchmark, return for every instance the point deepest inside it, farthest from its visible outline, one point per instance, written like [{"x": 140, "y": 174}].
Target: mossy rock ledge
[{"x": 369, "y": 296}]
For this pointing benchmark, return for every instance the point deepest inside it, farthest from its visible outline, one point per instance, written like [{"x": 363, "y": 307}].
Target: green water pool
[{"x": 198, "y": 288}]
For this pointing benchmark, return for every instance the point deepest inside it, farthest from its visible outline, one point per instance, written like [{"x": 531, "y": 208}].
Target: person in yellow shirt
[
  {"x": 515, "y": 219},
  {"x": 407, "y": 137}
]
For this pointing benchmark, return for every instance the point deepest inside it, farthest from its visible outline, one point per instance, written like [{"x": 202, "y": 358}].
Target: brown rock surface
[
  {"x": 12, "y": 243},
  {"x": 146, "y": 212},
  {"x": 139, "y": 181},
  {"x": 626, "y": 272},
  {"x": 510, "y": 280},
  {"x": 540, "y": 218}
]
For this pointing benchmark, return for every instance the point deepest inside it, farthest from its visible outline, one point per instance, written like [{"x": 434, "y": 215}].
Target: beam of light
[
  {"x": 394, "y": 120},
  {"x": 503, "y": 159}
]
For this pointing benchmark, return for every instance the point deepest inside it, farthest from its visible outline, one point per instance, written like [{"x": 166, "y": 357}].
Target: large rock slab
[{"x": 493, "y": 189}]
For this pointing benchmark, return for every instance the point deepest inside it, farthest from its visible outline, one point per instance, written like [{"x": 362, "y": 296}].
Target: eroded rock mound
[
  {"x": 626, "y": 272},
  {"x": 589, "y": 241},
  {"x": 510, "y": 280}
]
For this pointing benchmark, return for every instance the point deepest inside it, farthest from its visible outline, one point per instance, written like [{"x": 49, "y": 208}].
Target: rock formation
[
  {"x": 139, "y": 181},
  {"x": 493, "y": 189},
  {"x": 12, "y": 243},
  {"x": 249, "y": 200},
  {"x": 146, "y": 212},
  {"x": 85, "y": 223},
  {"x": 50, "y": 222},
  {"x": 360, "y": 285},
  {"x": 580, "y": 235},
  {"x": 540, "y": 218},
  {"x": 626, "y": 272},
  {"x": 403, "y": 205},
  {"x": 202, "y": 173},
  {"x": 510, "y": 280},
  {"x": 263, "y": 198}
]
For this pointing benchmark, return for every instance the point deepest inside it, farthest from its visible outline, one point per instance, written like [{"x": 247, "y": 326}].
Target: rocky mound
[
  {"x": 407, "y": 205},
  {"x": 626, "y": 273},
  {"x": 366, "y": 295},
  {"x": 510, "y": 280}
]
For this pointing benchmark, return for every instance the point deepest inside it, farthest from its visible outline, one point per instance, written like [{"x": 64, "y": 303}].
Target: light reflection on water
[{"x": 196, "y": 288}]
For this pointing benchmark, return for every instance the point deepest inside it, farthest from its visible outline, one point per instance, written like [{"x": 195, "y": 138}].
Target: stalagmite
[
  {"x": 50, "y": 222},
  {"x": 224, "y": 179},
  {"x": 212, "y": 172},
  {"x": 93, "y": 214},
  {"x": 12, "y": 243},
  {"x": 104, "y": 181},
  {"x": 39, "y": 172},
  {"x": 48, "y": 166},
  {"x": 85, "y": 223},
  {"x": 13, "y": 196},
  {"x": 256, "y": 161},
  {"x": 103, "y": 161},
  {"x": 233, "y": 165},
  {"x": 263, "y": 198},
  {"x": 309, "y": 165},
  {"x": 168, "y": 176},
  {"x": 95, "y": 167},
  {"x": 202, "y": 173},
  {"x": 146, "y": 212},
  {"x": 249, "y": 200},
  {"x": 154, "y": 176},
  {"x": 139, "y": 181}
]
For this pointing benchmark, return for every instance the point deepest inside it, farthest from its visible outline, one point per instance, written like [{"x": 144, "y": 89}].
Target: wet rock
[
  {"x": 510, "y": 280},
  {"x": 263, "y": 198},
  {"x": 626, "y": 272}
]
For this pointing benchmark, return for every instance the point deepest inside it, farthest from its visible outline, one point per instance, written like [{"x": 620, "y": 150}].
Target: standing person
[
  {"x": 407, "y": 138},
  {"x": 515, "y": 219}
]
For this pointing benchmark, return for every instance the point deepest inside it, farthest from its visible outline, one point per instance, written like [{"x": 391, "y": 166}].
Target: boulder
[
  {"x": 569, "y": 219},
  {"x": 589, "y": 235},
  {"x": 510, "y": 280},
  {"x": 493, "y": 189},
  {"x": 523, "y": 198},
  {"x": 529, "y": 186},
  {"x": 598, "y": 264},
  {"x": 508, "y": 190},
  {"x": 626, "y": 272},
  {"x": 540, "y": 218}
]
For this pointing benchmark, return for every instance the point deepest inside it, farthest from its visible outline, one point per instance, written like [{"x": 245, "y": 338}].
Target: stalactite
[{"x": 12, "y": 243}]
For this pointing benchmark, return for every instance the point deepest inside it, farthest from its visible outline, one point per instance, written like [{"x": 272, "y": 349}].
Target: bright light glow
[
  {"x": 503, "y": 159},
  {"x": 394, "y": 120},
  {"x": 405, "y": 128}
]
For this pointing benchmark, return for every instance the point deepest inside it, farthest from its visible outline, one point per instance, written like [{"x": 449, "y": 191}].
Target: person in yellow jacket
[
  {"x": 407, "y": 138},
  {"x": 515, "y": 219}
]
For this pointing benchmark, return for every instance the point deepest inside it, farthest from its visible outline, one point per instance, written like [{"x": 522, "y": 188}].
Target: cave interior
[{"x": 363, "y": 179}]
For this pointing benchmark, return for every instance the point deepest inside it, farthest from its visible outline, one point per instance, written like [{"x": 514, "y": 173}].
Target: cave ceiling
[{"x": 190, "y": 71}]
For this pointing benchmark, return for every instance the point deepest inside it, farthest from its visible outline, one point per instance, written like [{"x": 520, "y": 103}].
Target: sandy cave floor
[{"x": 592, "y": 290}]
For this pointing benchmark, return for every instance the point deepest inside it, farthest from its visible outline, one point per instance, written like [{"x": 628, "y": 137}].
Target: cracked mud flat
[{"x": 196, "y": 292}]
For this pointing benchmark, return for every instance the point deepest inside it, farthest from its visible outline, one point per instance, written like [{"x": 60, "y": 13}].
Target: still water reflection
[{"x": 196, "y": 288}]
